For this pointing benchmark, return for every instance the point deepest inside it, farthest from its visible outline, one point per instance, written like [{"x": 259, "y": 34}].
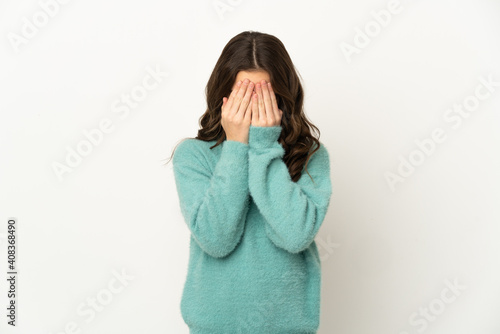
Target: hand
[
  {"x": 265, "y": 110},
  {"x": 236, "y": 112}
]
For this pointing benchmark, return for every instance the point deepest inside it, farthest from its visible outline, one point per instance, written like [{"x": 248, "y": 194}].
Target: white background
[{"x": 386, "y": 253}]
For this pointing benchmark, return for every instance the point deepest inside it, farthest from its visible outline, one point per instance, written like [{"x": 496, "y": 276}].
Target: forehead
[{"x": 253, "y": 76}]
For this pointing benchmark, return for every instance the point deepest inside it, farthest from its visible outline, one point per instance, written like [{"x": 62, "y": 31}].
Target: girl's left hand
[{"x": 265, "y": 110}]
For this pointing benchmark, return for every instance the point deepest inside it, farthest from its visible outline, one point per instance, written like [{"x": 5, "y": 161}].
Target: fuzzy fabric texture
[{"x": 254, "y": 266}]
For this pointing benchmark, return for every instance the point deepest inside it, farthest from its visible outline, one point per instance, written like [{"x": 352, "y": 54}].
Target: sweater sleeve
[
  {"x": 294, "y": 211},
  {"x": 214, "y": 203}
]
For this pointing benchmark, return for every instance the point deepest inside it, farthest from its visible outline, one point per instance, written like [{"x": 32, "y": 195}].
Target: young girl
[{"x": 254, "y": 188}]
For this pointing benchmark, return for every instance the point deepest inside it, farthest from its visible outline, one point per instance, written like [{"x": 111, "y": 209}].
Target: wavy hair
[{"x": 256, "y": 51}]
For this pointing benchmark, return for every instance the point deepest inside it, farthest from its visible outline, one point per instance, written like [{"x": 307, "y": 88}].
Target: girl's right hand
[{"x": 236, "y": 112}]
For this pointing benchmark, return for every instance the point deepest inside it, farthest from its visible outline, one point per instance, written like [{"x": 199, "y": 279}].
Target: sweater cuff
[
  {"x": 263, "y": 136},
  {"x": 235, "y": 148}
]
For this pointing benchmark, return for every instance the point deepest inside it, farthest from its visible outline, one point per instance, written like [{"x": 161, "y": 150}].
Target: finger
[
  {"x": 224, "y": 101},
  {"x": 260, "y": 97},
  {"x": 248, "y": 112},
  {"x": 246, "y": 99},
  {"x": 267, "y": 103},
  {"x": 255, "y": 109},
  {"x": 239, "y": 96},
  {"x": 274, "y": 102},
  {"x": 232, "y": 95}
]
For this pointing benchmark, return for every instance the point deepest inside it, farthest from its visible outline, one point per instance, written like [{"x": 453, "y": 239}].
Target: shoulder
[
  {"x": 321, "y": 153},
  {"x": 318, "y": 165},
  {"x": 319, "y": 161},
  {"x": 191, "y": 149}
]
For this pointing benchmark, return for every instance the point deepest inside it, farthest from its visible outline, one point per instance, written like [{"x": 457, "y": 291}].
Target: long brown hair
[{"x": 256, "y": 51}]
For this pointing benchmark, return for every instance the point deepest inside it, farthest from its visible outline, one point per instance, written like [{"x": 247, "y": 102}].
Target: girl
[{"x": 254, "y": 188}]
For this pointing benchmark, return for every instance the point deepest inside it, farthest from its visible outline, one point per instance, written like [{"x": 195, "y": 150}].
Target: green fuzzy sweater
[{"x": 254, "y": 266}]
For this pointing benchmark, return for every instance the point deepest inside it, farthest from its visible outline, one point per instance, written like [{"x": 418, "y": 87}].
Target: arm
[
  {"x": 215, "y": 205},
  {"x": 294, "y": 211}
]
